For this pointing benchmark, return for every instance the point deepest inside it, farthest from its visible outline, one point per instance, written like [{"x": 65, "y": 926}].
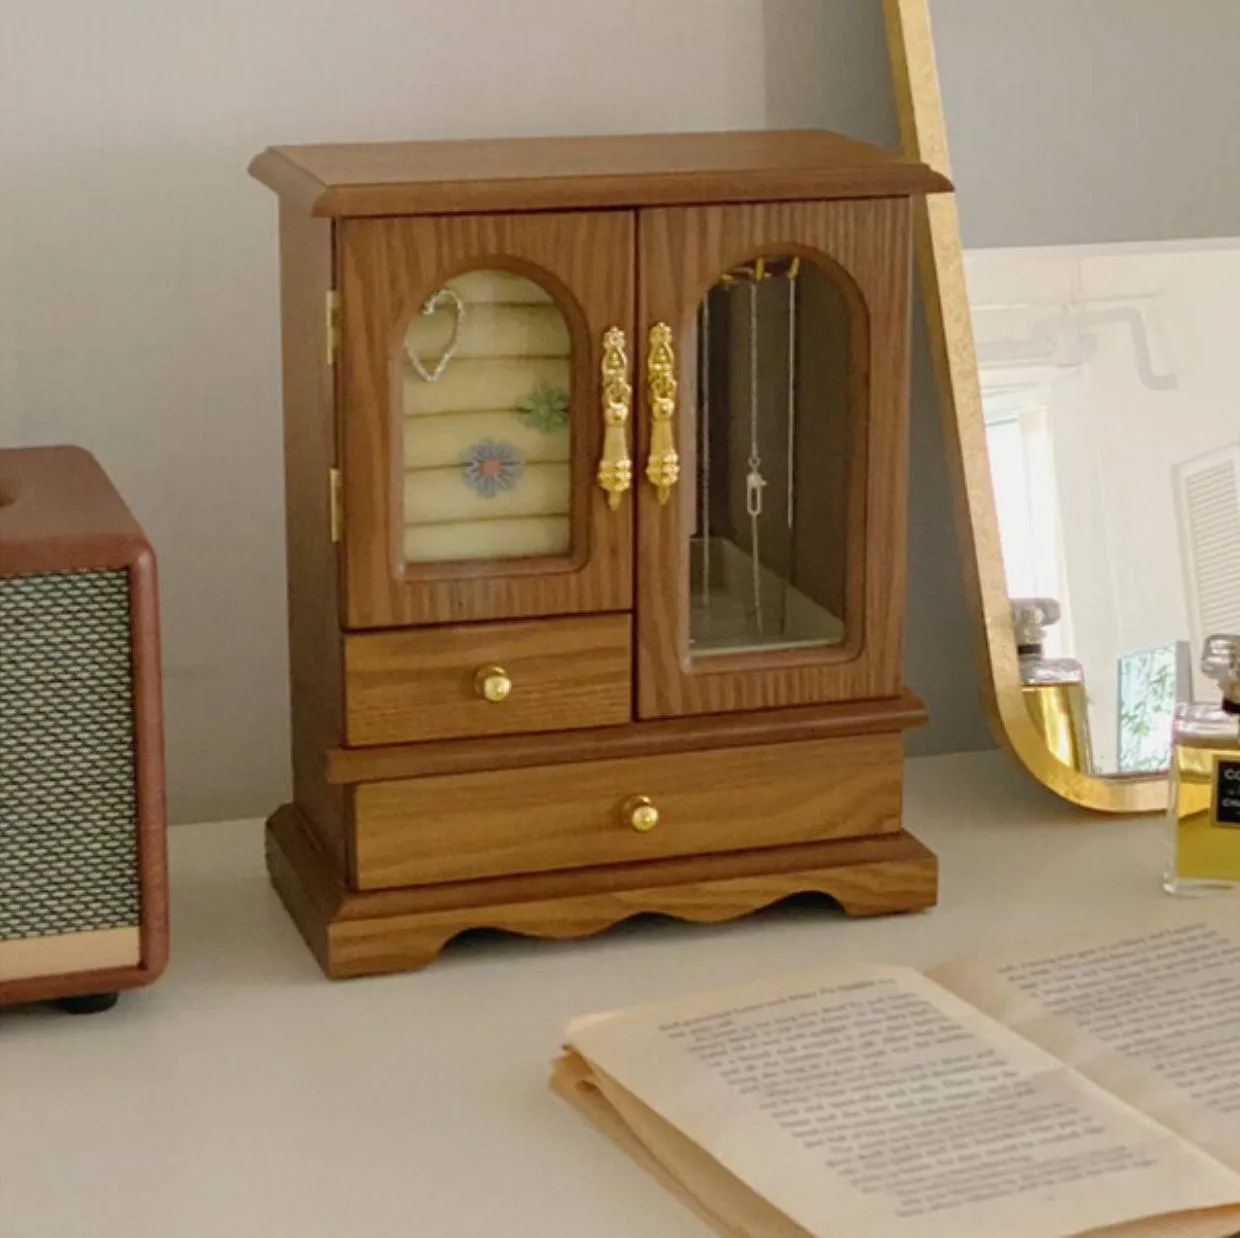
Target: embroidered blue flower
[{"x": 489, "y": 467}]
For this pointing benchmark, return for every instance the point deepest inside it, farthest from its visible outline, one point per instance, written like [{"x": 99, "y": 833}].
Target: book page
[
  {"x": 1151, "y": 1012},
  {"x": 680, "y": 1165},
  {"x": 722, "y": 1200},
  {"x": 868, "y": 1101}
]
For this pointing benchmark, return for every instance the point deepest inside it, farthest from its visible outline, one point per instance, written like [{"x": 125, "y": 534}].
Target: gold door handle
[
  {"x": 615, "y": 469},
  {"x": 663, "y": 464},
  {"x": 492, "y": 684},
  {"x": 639, "y": 812}
]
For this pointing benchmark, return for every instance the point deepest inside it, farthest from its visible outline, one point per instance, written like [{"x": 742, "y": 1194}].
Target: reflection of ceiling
[{"x": 1064, "y": 342}]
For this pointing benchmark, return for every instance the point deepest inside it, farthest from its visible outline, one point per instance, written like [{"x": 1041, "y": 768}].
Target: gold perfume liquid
[
  {"x": 1058, "y": 711},
  {"x": 1053, "y": 688},
  {"x": 1204, "y": 812}
]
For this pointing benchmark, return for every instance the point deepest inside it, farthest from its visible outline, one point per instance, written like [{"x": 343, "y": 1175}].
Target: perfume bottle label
[{"x": 1227, "y": 793}]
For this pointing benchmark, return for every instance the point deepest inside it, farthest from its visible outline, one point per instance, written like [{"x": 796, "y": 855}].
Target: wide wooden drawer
[
  {"x": 431, "y": 683},
  {"x": 460, "y": 826}
]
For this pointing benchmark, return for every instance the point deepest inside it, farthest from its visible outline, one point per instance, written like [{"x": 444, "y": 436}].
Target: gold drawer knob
[
  {"x": 492, "y": 684},
  {"x": 639, "y": 811}
]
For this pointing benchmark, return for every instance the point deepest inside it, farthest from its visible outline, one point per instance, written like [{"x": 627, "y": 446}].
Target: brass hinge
[
  {"x": 336, "y": 484},
  {"x": 333, "y": 325}
]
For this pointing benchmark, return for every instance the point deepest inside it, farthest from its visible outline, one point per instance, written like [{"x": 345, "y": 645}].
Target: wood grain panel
[
  {"x": 309, "y": 884},
  {"x": 534, "y": 174},
  {"x": 310, "y": 452},
  {"x": 355, "y": 934},
  {"x": 659, "y": 736},
  {"x": 454, "y": 827},
  {"x": 402, "y": 687},
  {"x": 681, "y": 254},
  {"x": 388, "y": 269}
]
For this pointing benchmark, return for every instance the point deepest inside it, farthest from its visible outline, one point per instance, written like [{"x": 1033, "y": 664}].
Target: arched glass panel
[
  {"x": 769, "y": 553},
  {"x": 487, "y": 389}
]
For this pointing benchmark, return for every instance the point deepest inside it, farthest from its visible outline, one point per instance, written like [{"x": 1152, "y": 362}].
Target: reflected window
[{"x": 1021, "y": 450}]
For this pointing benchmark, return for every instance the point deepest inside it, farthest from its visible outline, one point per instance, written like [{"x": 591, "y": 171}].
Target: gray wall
[
  {"x": 1091, "y": 120},
  {"x": 826, "y": 64},
  {"x": 138, "y": 309}
]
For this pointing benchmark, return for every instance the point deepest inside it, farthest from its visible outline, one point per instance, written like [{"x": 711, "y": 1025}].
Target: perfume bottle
[
  {"x": 1053, "y": 688},
  {"x": 1204, "y": 815}
]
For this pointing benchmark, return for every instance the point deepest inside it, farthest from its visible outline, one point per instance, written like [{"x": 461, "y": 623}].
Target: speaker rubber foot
[{"x": 87, "y": 1003}]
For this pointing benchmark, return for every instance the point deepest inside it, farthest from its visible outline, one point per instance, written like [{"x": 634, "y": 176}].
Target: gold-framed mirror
[{"x": 1025, "y": 329}]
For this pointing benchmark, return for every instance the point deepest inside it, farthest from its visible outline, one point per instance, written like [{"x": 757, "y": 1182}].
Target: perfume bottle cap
[
  {"x": 1220, "y": 660},
  {"x": 1030, "y": 619}
]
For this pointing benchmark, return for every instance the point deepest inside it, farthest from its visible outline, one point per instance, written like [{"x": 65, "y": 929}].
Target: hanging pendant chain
[
  {"x": 794, "y": 270},
  {"x": 704, "y": 415},
  {"x": 754, "y": 481}
]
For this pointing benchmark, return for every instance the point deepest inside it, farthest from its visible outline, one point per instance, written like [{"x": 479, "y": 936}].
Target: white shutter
[{"x": 1208, "y": 503}]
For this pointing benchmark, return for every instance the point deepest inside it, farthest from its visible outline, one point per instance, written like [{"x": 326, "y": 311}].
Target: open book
[{"x": 1043, "y": 1092}]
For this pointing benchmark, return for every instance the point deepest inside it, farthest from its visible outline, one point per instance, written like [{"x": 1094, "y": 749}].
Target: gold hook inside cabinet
[
  {"x": 663, "y": 464},
  {"x": 615, "y": 469}
]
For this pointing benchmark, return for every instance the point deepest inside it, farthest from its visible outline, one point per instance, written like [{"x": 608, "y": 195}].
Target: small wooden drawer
[
  {"x": 461, "y": 826},
  {"x": 447, "y": 682}
]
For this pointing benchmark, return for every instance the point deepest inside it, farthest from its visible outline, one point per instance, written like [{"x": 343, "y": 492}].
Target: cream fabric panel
[
  {"x": 489, "y": 330},
  {"x": 528, "y": 537},
  {"x": 433, "y": 496},
  {"x": 442, "y": 441},
  {"x": 487, "y": 445},
  {"x": 495, "y": 383}
]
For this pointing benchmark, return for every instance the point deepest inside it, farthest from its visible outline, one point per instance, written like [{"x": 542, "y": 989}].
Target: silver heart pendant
[{"x": 445, "y": 296}]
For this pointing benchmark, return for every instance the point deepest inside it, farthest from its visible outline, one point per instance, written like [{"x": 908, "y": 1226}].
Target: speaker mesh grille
[{"x": 68, "y": 816}]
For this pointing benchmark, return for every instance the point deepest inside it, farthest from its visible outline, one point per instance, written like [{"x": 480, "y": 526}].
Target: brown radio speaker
[{"x": 83, "y": 874}]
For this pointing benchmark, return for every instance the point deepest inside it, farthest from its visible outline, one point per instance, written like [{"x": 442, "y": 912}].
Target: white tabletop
[{"x": 245, "y": 1095}]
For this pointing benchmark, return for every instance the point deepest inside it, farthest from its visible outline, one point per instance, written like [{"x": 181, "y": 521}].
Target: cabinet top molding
[{"x": 565, "y": 173}]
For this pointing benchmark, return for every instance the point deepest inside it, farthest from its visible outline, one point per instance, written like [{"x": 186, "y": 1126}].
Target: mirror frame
[{"x": 923, "y": 134}]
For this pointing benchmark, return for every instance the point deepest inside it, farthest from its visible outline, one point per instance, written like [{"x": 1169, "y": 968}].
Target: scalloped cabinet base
[{"x": 354, "y": 934}]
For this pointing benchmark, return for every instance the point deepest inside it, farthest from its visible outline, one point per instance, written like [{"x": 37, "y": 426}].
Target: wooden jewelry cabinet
[{"x": 595, "y": 479}]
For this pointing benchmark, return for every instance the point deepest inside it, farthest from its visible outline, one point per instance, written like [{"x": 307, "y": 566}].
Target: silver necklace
[
  {"x": 755, "y": 483},
  {"x": 445, "y": 296}
]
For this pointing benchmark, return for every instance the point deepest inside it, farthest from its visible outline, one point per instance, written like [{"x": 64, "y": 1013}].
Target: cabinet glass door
[
  {"x": 768, "y": 552},
  {"x": 770, "y": 521},
  {"x": 476, "y": 416}
]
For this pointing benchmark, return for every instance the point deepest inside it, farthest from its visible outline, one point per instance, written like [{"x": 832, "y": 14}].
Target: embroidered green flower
[{"x": 545, "y": 409}]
